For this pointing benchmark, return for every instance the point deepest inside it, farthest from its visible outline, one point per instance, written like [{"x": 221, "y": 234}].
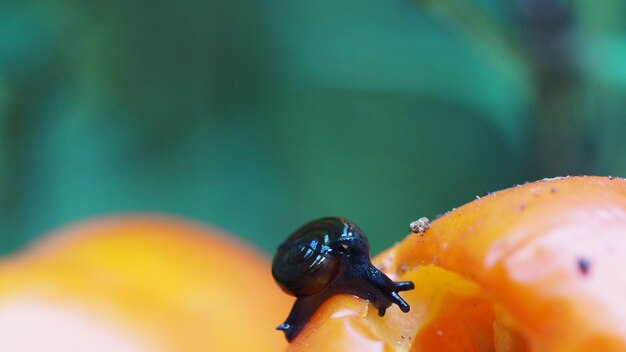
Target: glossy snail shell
[{"x": 309, "y": 260}]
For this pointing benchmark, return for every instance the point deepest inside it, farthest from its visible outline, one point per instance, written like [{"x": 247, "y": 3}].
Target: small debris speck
[
  {"x": 420, "y": 225},
  {"x": 553, "y": 190},
  {"x": 584, "y": 266},
  {"x": 610, "y": 177}
]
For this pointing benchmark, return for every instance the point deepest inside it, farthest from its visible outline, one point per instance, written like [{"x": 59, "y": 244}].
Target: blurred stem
[
  {"x": 546, "y": 46},
  {"x": 559, "y": 144}
]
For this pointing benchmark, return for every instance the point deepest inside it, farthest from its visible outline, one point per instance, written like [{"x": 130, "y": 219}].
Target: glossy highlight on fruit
[
  {"x": 536, "y": 267},
  {"x": 326, "y": 257}
]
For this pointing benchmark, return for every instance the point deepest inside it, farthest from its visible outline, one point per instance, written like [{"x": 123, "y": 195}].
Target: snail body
[{"x": 325, "y": 257}]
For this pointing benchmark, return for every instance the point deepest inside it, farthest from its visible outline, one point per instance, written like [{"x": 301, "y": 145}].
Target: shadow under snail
[{"x": 326, "y": 257}]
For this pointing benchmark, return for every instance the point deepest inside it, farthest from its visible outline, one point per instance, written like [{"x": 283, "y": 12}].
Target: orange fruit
[
  {"x": 139, "y": 283},
  {"x": 537, "y": 267}
]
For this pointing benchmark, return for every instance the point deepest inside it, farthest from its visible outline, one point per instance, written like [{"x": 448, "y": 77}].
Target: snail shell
[{"x": 310, "y": 259}]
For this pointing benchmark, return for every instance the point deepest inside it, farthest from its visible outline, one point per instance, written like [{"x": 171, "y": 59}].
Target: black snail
[{"x": 326, "y": 257}]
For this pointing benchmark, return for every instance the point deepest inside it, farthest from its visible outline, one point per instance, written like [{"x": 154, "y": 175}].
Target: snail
[{"x": 326, "y": 257}]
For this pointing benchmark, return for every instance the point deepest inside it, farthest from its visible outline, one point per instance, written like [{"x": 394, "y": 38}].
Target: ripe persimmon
[
  {"x": 139, "y": 283},
  {"x": 536, "y": 267}
]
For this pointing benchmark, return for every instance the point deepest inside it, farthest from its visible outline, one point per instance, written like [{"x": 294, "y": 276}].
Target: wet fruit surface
[{"x": 537, "y": 267}]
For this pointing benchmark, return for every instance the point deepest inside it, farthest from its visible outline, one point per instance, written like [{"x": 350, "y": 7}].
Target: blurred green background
[{"x": 258, "y": 116}]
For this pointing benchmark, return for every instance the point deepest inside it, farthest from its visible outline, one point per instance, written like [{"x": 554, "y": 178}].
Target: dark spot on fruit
[
  {"x": 584, "y": 266},
  {"x": 553, "y": 190}
]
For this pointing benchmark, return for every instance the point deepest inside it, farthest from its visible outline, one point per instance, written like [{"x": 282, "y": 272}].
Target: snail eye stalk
[{"x": 313, "y": 280}]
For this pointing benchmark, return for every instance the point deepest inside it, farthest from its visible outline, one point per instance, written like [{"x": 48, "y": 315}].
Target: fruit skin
[
  {"x": 146, "y": 283},
  {"x": 536, "y": 267}
]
